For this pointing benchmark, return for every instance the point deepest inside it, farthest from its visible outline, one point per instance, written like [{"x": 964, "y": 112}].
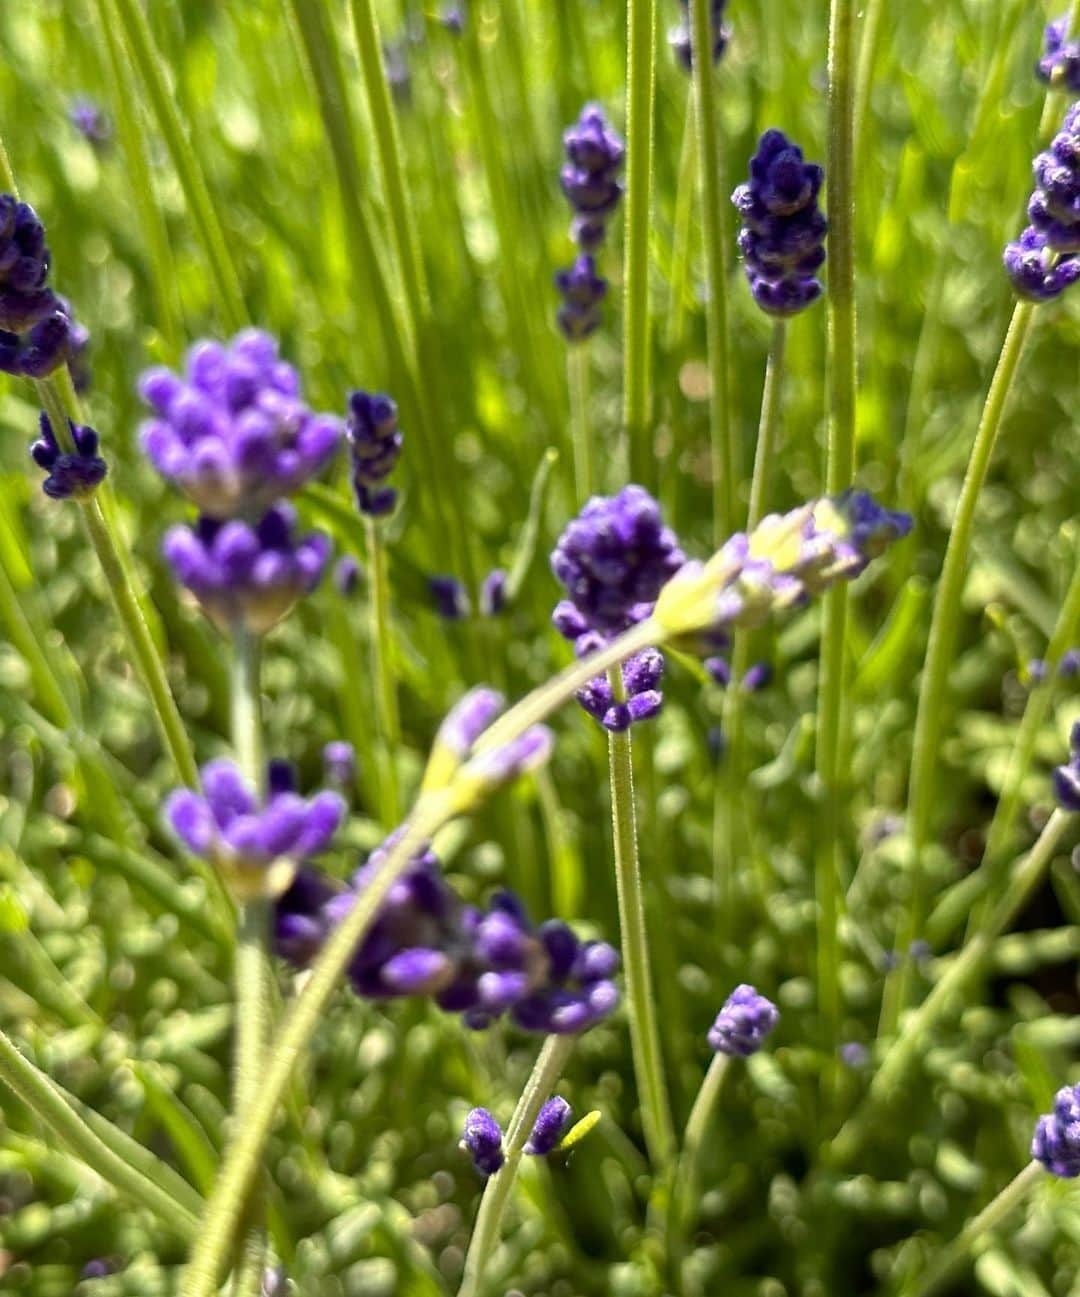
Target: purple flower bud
[
  {"x": 756, "y": 678},
  {"x": 449, "y": 597},
  {"x": 468, "y": 719},
  {"x": 493, "y": 593},
  {"x": 339, "y": 762},
  {"x": 90, "y": 121},
  {"x": 1037, "y": 670},
  {"x": 680, "y": 38},
  {"x": 453, "y": 19},
  {"x": 280, "y": 776},
  {"x": 69, "y": 476},
  {"x": 482, "y": 1140},
  {"x": 1056, "y": 1143},
  {"x": 743, "y": 1023},
  {"x": 590, "y": 179},
  {"x": 854, "y": 1054},
  {"x": 375, "y": 443},
  {"x": 583, "y": 291},
  {"x": 551, "y": 1122},
  {"x": 718, "y": 670},
  {"x": 347, "y": 575},
  {"x": 1069, "y": 666}
]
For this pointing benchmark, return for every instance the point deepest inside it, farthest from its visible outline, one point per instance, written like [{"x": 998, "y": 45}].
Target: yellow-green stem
[
  {"x": 577, "y": 373},
  {"x": 386, "y": 708}
]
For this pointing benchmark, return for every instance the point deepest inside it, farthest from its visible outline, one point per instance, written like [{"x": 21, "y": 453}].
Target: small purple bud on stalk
[
  {"x": 1037, "y": 671},
  {"x": 590, "y": 177},
  {"x": 583, "y": 292},
  {"x": 1056, "y": 1143},
  {"x": 449, "y": 597},
  {"x": 854, "y": 1054},
  {"x": 1066, "y": 778},
  {"x": 69, "y": 476},
  {"x": 375, "y": 443},
  {"x": 453, "y": 19},
  {"x": 743, "y": 1023},
  {"x": 347, "y": 575},
  {"x": 90, "y": 121},
  {"x": 718, "y": 670},
  {"x": 1069, "y": 666},
  {"x": 339, "y": 763},
  {"x": 1060, "y": 64},
  {"x": 482, "y": 1140},
  {"x": 493, "y": 593},
  {"x": 757, "y": 677},
  {"x": 548, "y": 1129}
]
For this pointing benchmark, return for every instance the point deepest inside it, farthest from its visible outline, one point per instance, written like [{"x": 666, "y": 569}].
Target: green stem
[
  {"x": 640, "y": 1003},
  {"x": 386, "y": 708},
  {"x": 840, "y": 467},
  {"x": 640, "y": 96},
  {"x": 959, "y": 973},
  {"x": 869, "y": 43},
  {"x": 49, "y": 691},
  {"x": 253, "y": 969},
  {"x": 486, "y": 1233},
  {"x": 698, "y": 1126},
  {"x": 681, "y": 292},
  {"x": 991, "y": 1216},
  {"x": 768, "y": 425},
  {"x": 714, "y": 206},
  {"x": 110, "y": 1158},
  {"x": 944, "y": 623},
  {"x": 163, "y": 102},
  {"x": 577, "y": 373}
]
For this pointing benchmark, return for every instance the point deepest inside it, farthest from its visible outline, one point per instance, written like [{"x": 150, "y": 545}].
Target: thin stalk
[
  {"x": 698, "y": 1125},
  {"x": 714, "y": 206},
  {"x": 163, "y": 103},
  {"x": 488, "y": 1229},
  {"x": 683, "y": 222},
  {"x": 48, "y": 688},
  {"x": 253, "y": 970},
  {"x": 640, "y": 97},
  {"x": 840, "y": 467},
  {"x": 869, "y": 43},
  {"x": 944, "y": 623},
  {"x": 577, "y": 374},
  {"x": 768, "y": 425},
  {"x": 641, "y": 1004},
  {"x": 992, "y": 1215},
  {"x": 110, "y": 1158},
  {"x": 959, "y": 973},
  {"x": 429, "y": 814},
  {"x": 386, "y": 708}
]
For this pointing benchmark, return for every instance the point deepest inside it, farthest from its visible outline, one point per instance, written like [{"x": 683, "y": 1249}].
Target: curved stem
[
  {"x": 840, "y": 466},
  {"x": 992, "y": 1215},
  {"x": 577, "y": 372},
  {"x": 714, "y": 206},
  {"x": 768, "y": 424},
  {"x": 538, "y": 1088},
  {"x": 929, "y": 719},
  {"x": 640, "y": 95},
  {"x": 688, "y": 1171},
  {"x": 386, "y": 708},
  {"x": 640, "y": 1003}
]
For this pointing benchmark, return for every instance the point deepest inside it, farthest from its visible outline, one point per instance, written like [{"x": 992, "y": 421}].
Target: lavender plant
[{"x": 276, "y": 853}]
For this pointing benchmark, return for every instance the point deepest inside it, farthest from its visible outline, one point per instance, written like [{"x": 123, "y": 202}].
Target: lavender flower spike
[
  {"x": 590, "y": 178},
  {"x": 25, "y": 298},
  {"x": 782, "y": 239},
  {"x": 1042, "y": 262},
  {"x": 583, "y": 292},
  {"x": 482, "y": 1140},
  {"x": 1066, "y": 778},
  {"x": 743, "y": 1023},
  {"x": 1056, "y": 1143},
  {"x": 75, "y": 476},
  {"x": 375, "y": 443},
  {"x": 244, "y": 575},
  {"x": 257, "y": 846},
  {"x": 551, "y": 1122},
  {"x": 721, "y": 33},
  {"x": 1060, "y": 63},
  {"x": 234, "y": 432}
]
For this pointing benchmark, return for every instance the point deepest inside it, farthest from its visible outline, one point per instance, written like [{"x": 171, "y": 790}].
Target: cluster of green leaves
[{"x": 115, "y": 960}]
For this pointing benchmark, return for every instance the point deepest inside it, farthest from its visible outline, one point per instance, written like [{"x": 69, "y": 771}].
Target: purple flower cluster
[
  {"x": 1066, "y": 778},
  {"x": 743, "y": 1023},
  {"x": 257, "y": 844},
  {"x": 549, "y": 1127},
  {"x": 613, "y": 559},
  {"x": 493, "y": 592},
  {"x": 449, "y": 597},
  {"x": 35, "y": 325},
  {"x": 375, "y": 443},
  {"x": 1056, "y": 1143},
  {"x": 1042, "y": 262},
  {"x": 782, "y": 239},
  {"x": 234, "y": 433},
  {"x": 243, "y": 575},
  {"x": 479, "y": 963},
  {"x": 590, "y": 182},
  {"x": 1060, "y": 63},
  {"x": 482, "y": 1137},
  {"x": 69, "y": 476},
  {"x": 680, "y": 38}
]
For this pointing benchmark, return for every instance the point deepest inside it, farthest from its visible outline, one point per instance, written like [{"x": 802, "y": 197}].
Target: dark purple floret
[
  {"x": 1033, "y": 269},
  {"x": 44, "y": 347},
  {"x": 347, "y": 575},
  {"x": 549, "y": 1127},
  {"x": 234, "y": 432},
  {"x": 482, "y": 1140},
  {"x": 641, "y": 678},
  {"x": 1042, "y": 262},
  {"x": 1066, "y": 778},
  {"x": 25, "y": 297},
  {"x": 90, "y": 121},
  {"x": 493, "y": 593},
  {"x": 449, "y": 597},
  {"x": 590, "y": 178},
  {"x": 1069, "y": 666},
  {"x": 246, "y": 575},
  {"x": 756, "y": 678},
  {"x": 583, "y": 291},
  {"x": 453, "y": 19},
  {"x": 1060, "y": 63},
  {"x": 681, "y": 41},
  {"x": 1056, "y": 1143},
  {"x": 281, "y": 776},
  {"x": 375, "y": 443},
  {"x": 782, "y": 239},
  {"x": 300, "y": 923},
  {"x": 743, "y": 1023},
  {"x": 69, "y": 476},
  {"x": 718, "y": 670}
]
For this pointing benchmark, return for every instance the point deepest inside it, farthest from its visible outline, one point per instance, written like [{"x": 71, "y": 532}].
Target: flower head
[
  {"x": 1060, "y": 62},
  {"x": 743, "y": 1023},
  {"x": 1066, "y": 778},
  {"x": 782, "y": 238},
  {"x": 44, "y": 346},
  {"x": 682, "y": 44},
  {"x": 551, "y": 1122},
  {"x": 257, "y": 844},
  {"x": 641, "y": 680},
  {"x": 234, "y": 432},
  {"x": 70, "y": 476},
  {"x": 482, "y": 1140},
  {"x": 583, "y": 291},
  {"x": 25, "y": 298},
  {"x": 1056, "y": 1143},
  {"x": 1042, "y": 262},
  {"x": 375, "y": 444},
  {"x": 247, "y": 575},
  {"x": 449, "y": 597},
  {"x": 589, "y": 179}
]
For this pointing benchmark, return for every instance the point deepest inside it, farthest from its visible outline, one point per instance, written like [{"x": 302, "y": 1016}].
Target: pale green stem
[
  {"x": 768, "y": 425},
  {"x": 488, "y": 1228},
  {"x": 163, "y": 103},
  {"x": 640, "y": 96},
  {"x": 111, "y": 1157},
  {"x": 430, "y": 813},
  {"x": 684, "y": 224},
  {"x": 912, "y": 1042},
  {"x": 840, "y": 466},
  {"x": 253, "y": 969},
  {"x": 992, "y": 1215},
  {"x": 386, "y": 708},
  {"x": 577, "y": 374},
  {"x": 48, "y": 689},
  {"x": 698, "y": 1128},
  {"x": 640, "y": 1002},
  {"x": 869, "y": 43},
  {"x": 929, "y": 718},
  {"x": 714, "y": 206}
]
